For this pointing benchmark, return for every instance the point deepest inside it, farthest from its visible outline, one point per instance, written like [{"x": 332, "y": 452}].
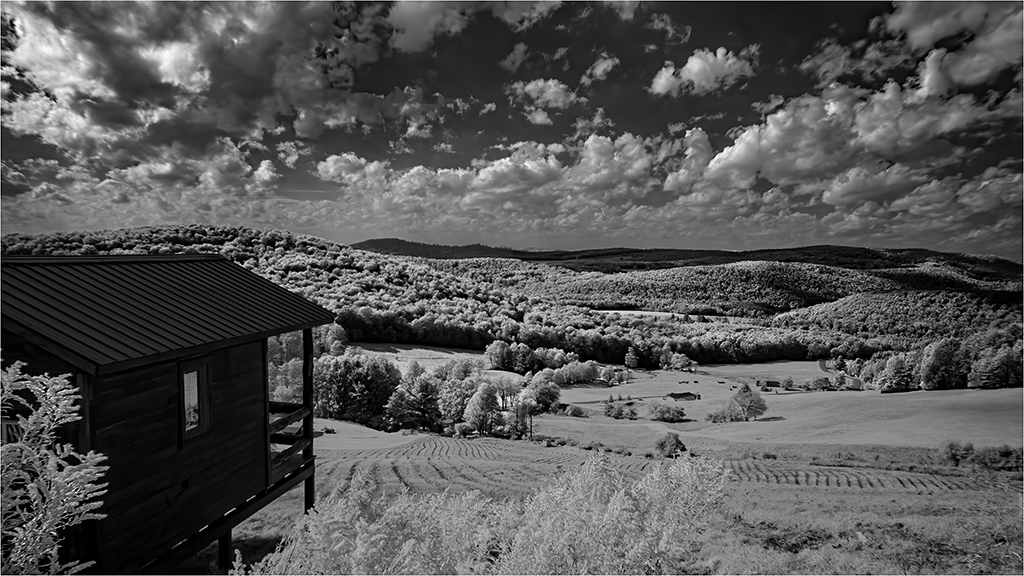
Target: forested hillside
[{"x": 471, "y": 303}]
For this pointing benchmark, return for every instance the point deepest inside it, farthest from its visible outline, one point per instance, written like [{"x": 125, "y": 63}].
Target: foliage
[
  {"x": 620, "y": 411},
  {"x": 748, "y": 402},
  {"x": 589, "y": 520},
  {"x": 482, "y": 409},
  {"x": 854, "y": 307},
  {"x": 898, "y": 375},
  {"x": 666, "y": 413},
  {"x": 454, "y": 396},
  {"x": 414, "y": 404},
  {"x": 631, "y": 360},
  {"x": 942, "y": 365},
  {"x": 576, "y": 412},
  {"x": 545, "y": 393},
  {"x": 670, "y": 445},
  {"x": 728, "y": 413},
  {"x": 997, "y": 368},
  {"x": 354, "y": 387},
  {"x": 47, "y": 487}
]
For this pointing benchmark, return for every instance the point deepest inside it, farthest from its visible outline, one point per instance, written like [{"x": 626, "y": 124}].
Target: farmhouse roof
[{"x": 109, "y": 313}]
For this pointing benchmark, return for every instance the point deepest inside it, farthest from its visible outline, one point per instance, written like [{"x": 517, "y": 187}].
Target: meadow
[{"x": 825, "y": 482}]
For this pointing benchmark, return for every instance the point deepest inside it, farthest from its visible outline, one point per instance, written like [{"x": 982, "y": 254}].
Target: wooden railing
[{"x": 291, "y": 458}]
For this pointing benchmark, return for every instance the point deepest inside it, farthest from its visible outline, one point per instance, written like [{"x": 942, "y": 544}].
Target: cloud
[
  {"x": 538, "y": 117},
  {"x": 704, "y": 72},
  {"x": 862, "y": 184},
  {"x": 863, "y": 60},
  {"x": 515, "y": 58},
  {"x": 289, "y": 152},
  {"x": 925, "y": 23},
  {"x": 544, "y": 93},
  {"x": 417, "y": 23},
  {"x": 672, "y": 34},
  {"x": 624, "y": 8},
  {"x": 599, "y": 69},
  {"x": 488, "y": 107}
]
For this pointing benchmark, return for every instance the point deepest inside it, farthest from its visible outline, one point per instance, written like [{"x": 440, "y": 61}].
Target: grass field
[
  {"x": 781, "y": 515},
  {"x": 428, "y": 357},
  {"x": 826, "y": 482}
]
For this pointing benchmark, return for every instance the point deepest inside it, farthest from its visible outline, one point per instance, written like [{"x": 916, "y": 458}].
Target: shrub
[
  {"x": 577, "y": 412},
  {"x": 1002, "y": 458},
  {"x": 667, "y": 413},
  {"x": 46, "y": 486},
  {"x": 955, "y": 453}
]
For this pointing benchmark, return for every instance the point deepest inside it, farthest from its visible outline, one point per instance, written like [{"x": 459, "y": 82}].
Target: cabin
[
  {"x": 772, "y": 384},
  {"x": 169, "y": 353},
  {"x": 682, "y": 396}
]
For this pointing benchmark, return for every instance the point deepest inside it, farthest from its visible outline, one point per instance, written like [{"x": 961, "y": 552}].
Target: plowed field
[{"x": 503, "y": 468}]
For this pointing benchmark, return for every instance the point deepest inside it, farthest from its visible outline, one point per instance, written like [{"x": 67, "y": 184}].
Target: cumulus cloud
[
  {"x": 705, "y": 72},
  {"x": 548, "y": 93},
  {"x": 996, "y": 34},
  {"x": 599, "y": 69},
  {"x": 538, "y": 116},
  {"x": 515, "y": 58}
]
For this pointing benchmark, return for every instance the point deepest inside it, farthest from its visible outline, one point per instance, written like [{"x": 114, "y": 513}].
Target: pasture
[
  {"x": 429, "y": 357},
  {"x": 825, "y": 481},
  {"x": 779, "y": 513}
]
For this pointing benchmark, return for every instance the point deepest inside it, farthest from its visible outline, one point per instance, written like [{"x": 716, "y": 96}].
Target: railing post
[{"x": 307, "y": 401}]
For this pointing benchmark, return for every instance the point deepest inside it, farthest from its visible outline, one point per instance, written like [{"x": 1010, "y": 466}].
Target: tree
[
  {"x": 499, "y": 355},
  {"x": 667, "y": 413},
  {"x": 996, "y": 368},
  {"x": 749, "y": 402},
  {"x": 545, "y": 393},
  {"x": 482, "y": 408},
  {"x": 941, "y": 366},
  {"x": 631, "y": 360},
  {"x": 670, "y": 445},
  {"x": 897, "y": 376},
  {"x": 47, "y": 487},
  {"x": 453, "y": 397}
]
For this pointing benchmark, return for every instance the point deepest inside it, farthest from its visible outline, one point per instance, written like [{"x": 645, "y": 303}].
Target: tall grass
[{"x": 590, "y": 520}]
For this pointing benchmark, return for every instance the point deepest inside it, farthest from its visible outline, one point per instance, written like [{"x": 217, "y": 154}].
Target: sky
[{"x": 536, "y": 125}]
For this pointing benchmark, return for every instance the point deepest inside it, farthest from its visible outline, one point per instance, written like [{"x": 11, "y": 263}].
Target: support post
[
  {"x": 307, "y": 401},
  {"x": 224, "y": 559}
]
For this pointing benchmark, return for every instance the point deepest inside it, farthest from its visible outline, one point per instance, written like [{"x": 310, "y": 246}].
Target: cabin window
[{"x": 194, "y": 398}]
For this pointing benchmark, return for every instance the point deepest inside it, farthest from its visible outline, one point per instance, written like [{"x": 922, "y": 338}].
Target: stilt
[{"x": 224, "y": 552}]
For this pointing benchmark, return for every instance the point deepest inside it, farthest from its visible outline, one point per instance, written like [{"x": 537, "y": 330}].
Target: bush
[
  {"x": 1002, "y": 458},
  {"x": 955, "y": 453},
  {"x": 577, "y": 412},
  {"x": 589, "y": 520},
  {"x": 670, "y": 445},
  {"x": 667, "y": 413},
  {"x": 47, "y": 487}
]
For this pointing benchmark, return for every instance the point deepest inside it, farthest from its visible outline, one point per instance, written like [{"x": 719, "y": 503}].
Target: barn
[
  {"x": 169, "y": 354},
  {"x": 682, "y": 396}
]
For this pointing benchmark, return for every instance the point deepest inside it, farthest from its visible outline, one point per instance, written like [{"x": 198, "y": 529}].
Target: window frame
[{"x": 201, "y": 366}]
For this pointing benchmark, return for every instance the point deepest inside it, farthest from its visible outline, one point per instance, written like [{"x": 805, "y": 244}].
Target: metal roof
[{"x": 110, "y": 313}]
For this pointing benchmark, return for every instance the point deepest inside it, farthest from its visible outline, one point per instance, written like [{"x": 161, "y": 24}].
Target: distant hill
[{"x": 609, "y": 260}]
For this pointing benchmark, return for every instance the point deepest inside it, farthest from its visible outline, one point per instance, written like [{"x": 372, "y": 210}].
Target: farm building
[
  {"x": 682, "y": 396},
  {"x": 170, "y": 357}
]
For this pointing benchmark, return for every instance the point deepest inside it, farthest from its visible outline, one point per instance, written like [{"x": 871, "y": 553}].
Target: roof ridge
[{"x": 109, "y": 259}]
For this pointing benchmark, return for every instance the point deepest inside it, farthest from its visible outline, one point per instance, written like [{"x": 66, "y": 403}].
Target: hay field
[
  {"x": 921, "y": 418},
  {"x": 428, "y": 357}
]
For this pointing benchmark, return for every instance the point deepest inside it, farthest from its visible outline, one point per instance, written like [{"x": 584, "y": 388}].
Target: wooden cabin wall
[{"x": 160, "y": 492}]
